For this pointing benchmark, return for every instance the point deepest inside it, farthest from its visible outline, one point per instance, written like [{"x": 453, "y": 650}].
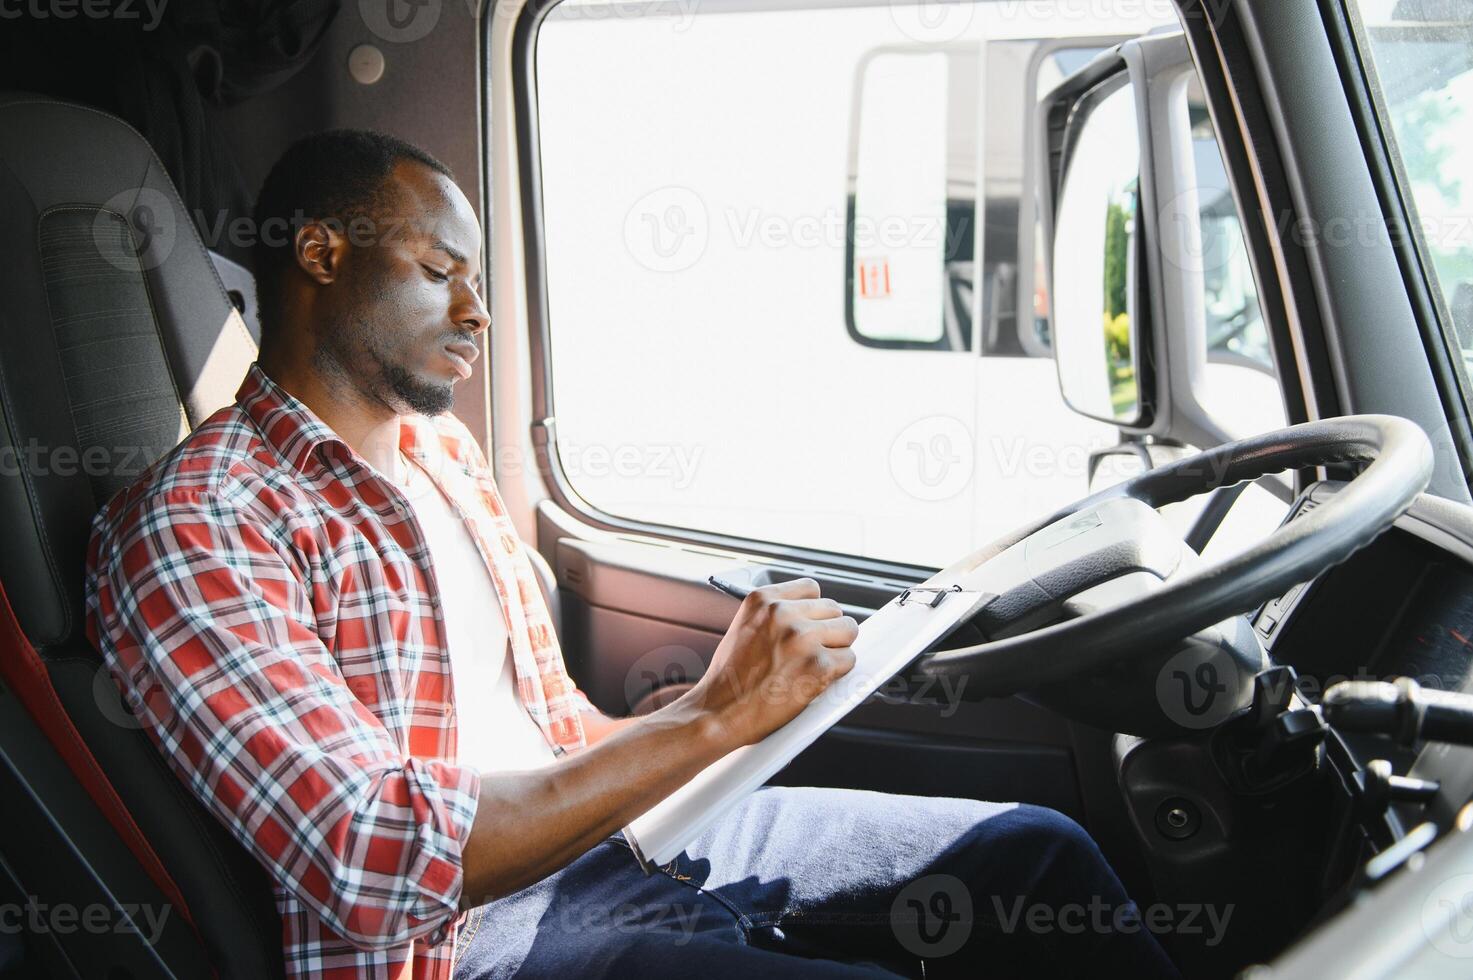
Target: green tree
[{"x": 1116, "y": 243}]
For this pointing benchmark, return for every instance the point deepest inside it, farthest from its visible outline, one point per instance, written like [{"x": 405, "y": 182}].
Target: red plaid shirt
[{"x": 266, "y": 601}]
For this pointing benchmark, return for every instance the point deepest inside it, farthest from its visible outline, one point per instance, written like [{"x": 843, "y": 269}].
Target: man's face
[{"x": 403, "y": 325}]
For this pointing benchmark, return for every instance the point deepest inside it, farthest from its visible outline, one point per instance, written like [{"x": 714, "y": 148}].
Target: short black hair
[{"x": 336, "y": 175}]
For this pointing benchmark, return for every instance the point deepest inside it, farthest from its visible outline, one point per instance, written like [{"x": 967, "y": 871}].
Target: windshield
[{"x": 1420, "y": 59}]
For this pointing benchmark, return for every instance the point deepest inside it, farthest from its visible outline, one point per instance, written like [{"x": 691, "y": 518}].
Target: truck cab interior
[{"x": 1152, "y": 318}]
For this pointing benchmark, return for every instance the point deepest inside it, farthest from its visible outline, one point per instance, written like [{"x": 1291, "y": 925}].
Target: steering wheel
[{"x": 1093, "y": 601}]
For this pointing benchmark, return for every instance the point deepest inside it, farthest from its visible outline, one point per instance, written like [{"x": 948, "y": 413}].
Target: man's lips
[{"x": 462, "y": 354}]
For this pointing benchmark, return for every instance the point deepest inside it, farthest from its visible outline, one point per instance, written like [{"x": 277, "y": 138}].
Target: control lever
[
  {"x": 1290, "y": 743},
  {"x": 1378, "y": 787},
  {"x": 1402, "y": 709},
  {"x": 1274, "y": 742}
]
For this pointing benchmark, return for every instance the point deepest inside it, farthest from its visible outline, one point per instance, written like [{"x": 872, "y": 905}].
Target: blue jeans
[{"x": 829, "y": 883}]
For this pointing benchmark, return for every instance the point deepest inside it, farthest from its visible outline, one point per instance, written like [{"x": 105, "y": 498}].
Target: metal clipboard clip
[{"x": 936, "y": 595}]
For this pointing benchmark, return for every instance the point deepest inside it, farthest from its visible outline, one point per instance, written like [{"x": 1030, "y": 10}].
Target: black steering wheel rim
[{"x": 1400, "y": 464}]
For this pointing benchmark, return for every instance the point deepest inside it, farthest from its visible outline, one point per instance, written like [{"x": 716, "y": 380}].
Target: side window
[
  {"x": 790, "y": 261},
  {"x": 908, "y": 227}
]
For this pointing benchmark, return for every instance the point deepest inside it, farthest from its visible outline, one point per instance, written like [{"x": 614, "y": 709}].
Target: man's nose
[{"x": 470, "y": 311}]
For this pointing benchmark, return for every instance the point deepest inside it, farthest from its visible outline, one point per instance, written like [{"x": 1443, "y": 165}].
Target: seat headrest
[{"x": 116, "y": 336}]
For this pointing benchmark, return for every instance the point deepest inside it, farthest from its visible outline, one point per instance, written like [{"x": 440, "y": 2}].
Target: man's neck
[{"x": 364, "y": 423}]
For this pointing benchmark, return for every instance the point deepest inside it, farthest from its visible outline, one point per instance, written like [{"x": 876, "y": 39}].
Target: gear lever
[{"x": 1402, "y": 709}]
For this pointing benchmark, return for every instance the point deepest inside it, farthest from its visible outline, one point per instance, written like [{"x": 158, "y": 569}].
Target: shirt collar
[
  {"x": 287, "y": 425},
  {"x": 295, "y": 431}
]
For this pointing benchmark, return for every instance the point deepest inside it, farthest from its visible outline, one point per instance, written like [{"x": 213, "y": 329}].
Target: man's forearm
[
  {"x": 530, "y": 824},
  {"x": 598, "y": 726}
]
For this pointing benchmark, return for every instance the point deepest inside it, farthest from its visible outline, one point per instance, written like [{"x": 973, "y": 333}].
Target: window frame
[{"x": 561, "y": 492}]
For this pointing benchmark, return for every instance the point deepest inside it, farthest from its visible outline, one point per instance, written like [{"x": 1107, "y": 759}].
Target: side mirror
[
  {"x": 912, "y": 199},
  {"x": 1095, "y": 321}
]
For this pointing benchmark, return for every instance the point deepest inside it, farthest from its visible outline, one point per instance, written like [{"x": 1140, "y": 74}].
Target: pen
[{"x": 721, "y": 585}]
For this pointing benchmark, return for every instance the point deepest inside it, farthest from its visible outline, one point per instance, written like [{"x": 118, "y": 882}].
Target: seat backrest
[{"x": 116, "y": 336}]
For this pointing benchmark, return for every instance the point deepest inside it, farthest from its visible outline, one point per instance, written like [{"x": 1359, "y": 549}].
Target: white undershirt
[{"x": 495, "y": 732}]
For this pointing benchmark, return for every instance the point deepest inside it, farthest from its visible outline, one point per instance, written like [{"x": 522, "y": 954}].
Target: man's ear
[{"x": 319, "y": 249}]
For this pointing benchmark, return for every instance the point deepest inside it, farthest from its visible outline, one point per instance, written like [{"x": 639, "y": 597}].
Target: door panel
[{"x": 639, "y": 615}]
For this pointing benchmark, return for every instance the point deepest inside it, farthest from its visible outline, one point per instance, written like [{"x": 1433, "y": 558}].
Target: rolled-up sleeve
[{"x": 210, "y": 633}]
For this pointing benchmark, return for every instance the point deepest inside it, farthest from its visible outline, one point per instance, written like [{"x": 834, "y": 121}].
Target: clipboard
[{"x": 889, "y": 640}]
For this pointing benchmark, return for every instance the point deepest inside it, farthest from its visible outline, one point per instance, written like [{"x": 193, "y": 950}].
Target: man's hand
[{"x": 785, "y": 647}]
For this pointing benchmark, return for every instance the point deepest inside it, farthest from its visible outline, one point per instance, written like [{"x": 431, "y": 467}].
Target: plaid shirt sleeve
[{"x": 210, "y": 632}]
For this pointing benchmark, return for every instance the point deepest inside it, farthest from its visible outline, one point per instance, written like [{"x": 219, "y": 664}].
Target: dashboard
[{"x": 1401, "y": 607}]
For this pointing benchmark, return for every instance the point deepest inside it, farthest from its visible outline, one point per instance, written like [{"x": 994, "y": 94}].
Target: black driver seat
[{"x": 116, "y": 336}]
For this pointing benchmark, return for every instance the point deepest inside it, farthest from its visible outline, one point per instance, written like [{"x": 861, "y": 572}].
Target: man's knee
[
  {"x": 1044, "y": 831},
  {"x": 1035, "y": 851}
]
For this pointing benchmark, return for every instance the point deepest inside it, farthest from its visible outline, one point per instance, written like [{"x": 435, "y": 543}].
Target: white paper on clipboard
[{"x": 888, "y": 641}]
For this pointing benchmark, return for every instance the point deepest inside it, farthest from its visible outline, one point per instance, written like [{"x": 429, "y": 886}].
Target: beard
[
  {"x": 417, "y": 395},
  {"x": 361, "y": 354}
]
